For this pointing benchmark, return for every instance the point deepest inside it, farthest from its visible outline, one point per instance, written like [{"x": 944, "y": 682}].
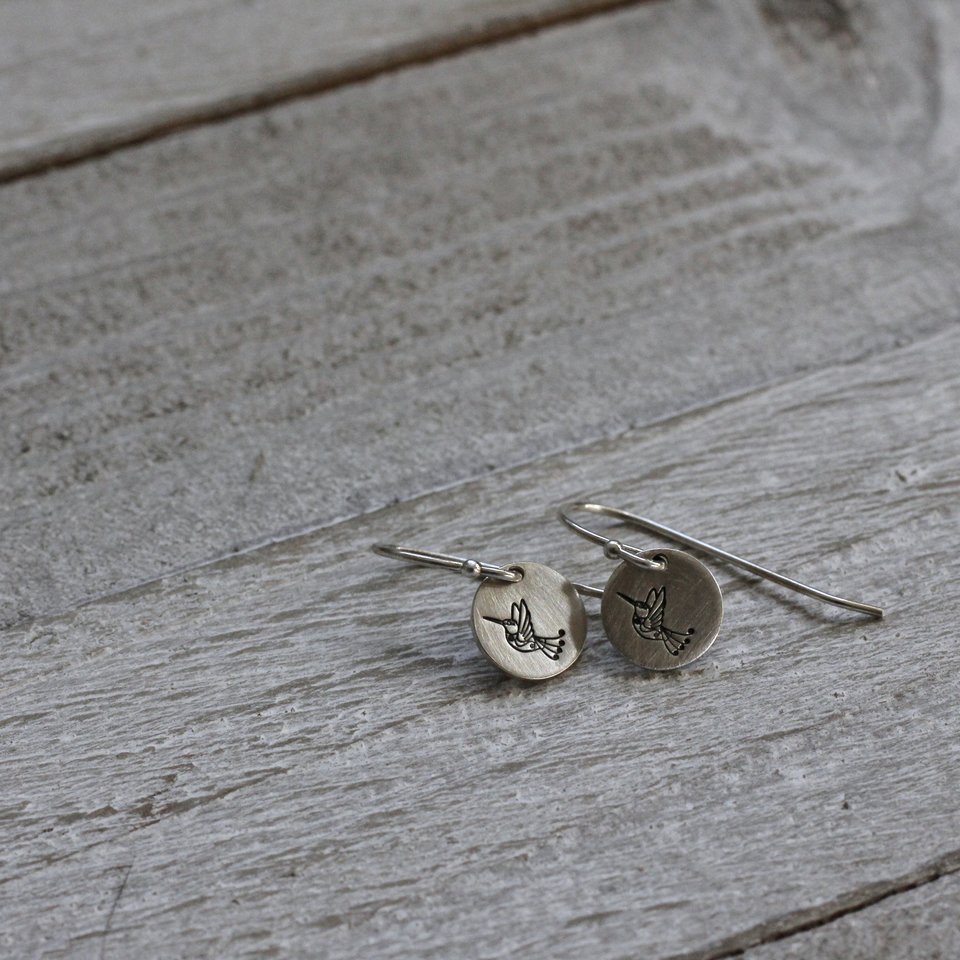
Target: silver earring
[
  {"x": 662, "y": 608},
  {"x": 527, "y": 618}
]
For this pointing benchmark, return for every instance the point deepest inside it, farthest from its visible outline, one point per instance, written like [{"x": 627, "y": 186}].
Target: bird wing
[
  {"x": 656, "y": 600},
  {"x": 524, "y": 624}
]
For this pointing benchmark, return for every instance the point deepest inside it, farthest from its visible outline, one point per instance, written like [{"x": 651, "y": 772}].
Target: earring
[
  {"x": 662, "y": 608},
  {"x": 527, "y": 619}
]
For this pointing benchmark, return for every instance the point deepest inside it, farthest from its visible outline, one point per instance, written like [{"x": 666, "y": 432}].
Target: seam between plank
[
  {"x": 71, "y": 150},
  {"x": 811, "y": 918}
]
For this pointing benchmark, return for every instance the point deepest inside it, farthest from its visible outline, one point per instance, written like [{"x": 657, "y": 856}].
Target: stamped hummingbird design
[
  {"x": 648, "y": 621},
  {"x": 519, "y": 632}
]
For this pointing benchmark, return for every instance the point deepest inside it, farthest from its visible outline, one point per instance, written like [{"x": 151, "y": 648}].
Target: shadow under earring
[{"x": 662, "y": 609}]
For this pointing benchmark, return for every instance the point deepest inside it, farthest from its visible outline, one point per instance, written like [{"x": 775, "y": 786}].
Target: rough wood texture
[
  {"x": 689, "y": 248},
  {"x": 79, "y": 79},
  {"x": 289, "y": 318},
  {"x": 301, "y": 752},
  {"x": 920, "y": 924}
]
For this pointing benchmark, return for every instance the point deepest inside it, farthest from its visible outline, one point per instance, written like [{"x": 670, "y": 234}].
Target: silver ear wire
[
  {"x": 633, "y": 556},
  {"x": 469, "y": 568}
]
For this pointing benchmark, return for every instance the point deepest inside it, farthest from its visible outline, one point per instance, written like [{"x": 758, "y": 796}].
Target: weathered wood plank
[
  {"x": 852, "y": 923},
  {"x": 293, "y": 317},
  {"x": 78, "y": 80},
  {"x": 915, "y": 925},
  {"x": 309, "y": 755}
]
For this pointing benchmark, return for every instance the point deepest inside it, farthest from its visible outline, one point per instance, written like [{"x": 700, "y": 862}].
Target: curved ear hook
[
  {"x": 469, "y": 568},
  {"x": 622, "y": 550},
  {"x": 612, "y": 549}
]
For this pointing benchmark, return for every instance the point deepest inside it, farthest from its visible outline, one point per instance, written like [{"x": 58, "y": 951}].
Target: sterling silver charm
[
  {"x": 662, "y": 618},
  {"x": 662, "y": 608},
  {"x": 527, "y": 619},
  {"x": 533, "y": 628}
]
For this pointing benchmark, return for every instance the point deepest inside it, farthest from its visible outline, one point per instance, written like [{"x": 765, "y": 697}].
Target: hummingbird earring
[
  {"x": 662, "y": 608},
  {"x": 527, "y": 619}
]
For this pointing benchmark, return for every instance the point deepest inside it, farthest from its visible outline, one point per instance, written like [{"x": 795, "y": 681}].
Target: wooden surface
[
  {"x": 271, "y": 324},
  {"x": 694, "y": 259},
  {"x": 74, "y": 83},
  {"x": 309, "y": 750},
  {"x": 920, "y": 924}
]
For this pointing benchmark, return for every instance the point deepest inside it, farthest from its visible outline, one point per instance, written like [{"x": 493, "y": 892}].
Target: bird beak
[
  {"x": 494, "y": 620},
  {"x": 629, "y": 600}
]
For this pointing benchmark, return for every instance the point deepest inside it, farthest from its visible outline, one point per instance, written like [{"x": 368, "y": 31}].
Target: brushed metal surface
[
  {"x": 662, "y": 619},
  {"x": 532, "y": 629}
]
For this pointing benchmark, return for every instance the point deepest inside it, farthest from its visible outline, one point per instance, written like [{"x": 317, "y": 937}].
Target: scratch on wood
[
  {"x": 258, "y": 464},
  {"x": 113, "y": 909}
]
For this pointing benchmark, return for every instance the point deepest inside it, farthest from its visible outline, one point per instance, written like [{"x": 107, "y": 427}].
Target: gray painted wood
[
  {"x": 79, "y": 79},
  {"x": 300, "y": 751},
  {"x": 297, "y": 316}
]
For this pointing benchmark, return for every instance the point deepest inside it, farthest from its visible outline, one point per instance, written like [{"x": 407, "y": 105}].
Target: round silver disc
[
  {"x": 534, "y": 628},
  {"x": 662, "y": 619}
]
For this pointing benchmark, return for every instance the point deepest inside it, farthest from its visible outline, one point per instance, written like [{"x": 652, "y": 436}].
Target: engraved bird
[
  {"x": 519, "y": 633},
  {"x": 648, "y": 621}
]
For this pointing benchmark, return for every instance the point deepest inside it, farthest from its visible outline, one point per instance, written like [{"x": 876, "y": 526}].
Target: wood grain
[
  {"x": 76, "y": 80},
  {"x": 917, "y": 925},
  {"x": 293, "y": 317},
  {"x": 300, "y": 751}
]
